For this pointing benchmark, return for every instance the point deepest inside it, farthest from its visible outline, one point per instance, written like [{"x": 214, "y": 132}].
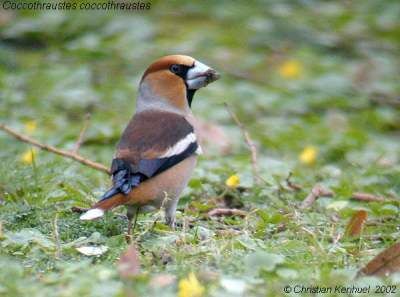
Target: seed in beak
[{"x": 211, "y": 75}]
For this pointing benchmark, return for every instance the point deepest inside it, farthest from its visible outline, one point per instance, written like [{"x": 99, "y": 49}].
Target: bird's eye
[{"x": 175, "y": 68}]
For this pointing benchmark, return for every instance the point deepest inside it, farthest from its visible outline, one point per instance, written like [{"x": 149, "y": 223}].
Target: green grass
[{"x": 56, "y": 67}]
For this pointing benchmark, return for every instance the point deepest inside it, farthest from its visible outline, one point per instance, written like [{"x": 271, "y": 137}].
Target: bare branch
[
  {"x": 250, "y": 144},
  {"x": 52, "y": 149},
  {"x": 82, "y": 133}
]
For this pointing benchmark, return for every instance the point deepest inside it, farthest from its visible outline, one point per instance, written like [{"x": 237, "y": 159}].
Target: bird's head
[{"x": 171, "y": 81}]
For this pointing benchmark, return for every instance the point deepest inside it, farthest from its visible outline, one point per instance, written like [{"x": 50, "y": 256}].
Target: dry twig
[
  {"x": 227, "y": 212},
  {"x": 316, "y": 192},
  {"x": 52, "y": 149},
  {"x": 82, "y": 134},
  {"x": 250, "y": 144},
  {"x": 367, "y": 197},
  {"x": 336, "y": 238},
  {"x": 291, "y": 185}
]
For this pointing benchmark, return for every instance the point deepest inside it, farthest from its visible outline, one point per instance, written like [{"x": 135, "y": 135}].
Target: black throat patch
[{"x": 189, "y": 96}]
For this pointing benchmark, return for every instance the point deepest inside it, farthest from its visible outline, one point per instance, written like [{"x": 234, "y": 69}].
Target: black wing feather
[{"x": 127, "y": 176}]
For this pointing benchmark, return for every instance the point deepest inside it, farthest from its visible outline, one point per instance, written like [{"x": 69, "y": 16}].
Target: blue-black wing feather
[{"x": 127, "y": 176}]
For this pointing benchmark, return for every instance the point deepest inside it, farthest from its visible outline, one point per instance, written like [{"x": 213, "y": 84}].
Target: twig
[
  {"x": 52, "y": 149},
  {"x": 82, "y": 134},
  {"x": 292, "y": 185},
  {"x": 316, "y": 192},
  {"x": 250, "y": 144},
  {"x": 336, "y": 239},
  {"x": 367, "y": 197},
  {"x": 227, "y": 212}
]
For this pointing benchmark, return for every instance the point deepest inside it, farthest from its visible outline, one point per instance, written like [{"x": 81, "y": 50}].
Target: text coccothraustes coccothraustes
[{"x": 157, "y": 151}]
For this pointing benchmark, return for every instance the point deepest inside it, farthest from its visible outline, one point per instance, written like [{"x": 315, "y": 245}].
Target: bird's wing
[{"x": 151, "y": 143}]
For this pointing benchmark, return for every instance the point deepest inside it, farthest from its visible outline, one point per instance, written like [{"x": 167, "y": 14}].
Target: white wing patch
[{"x": 180, "y": 146}]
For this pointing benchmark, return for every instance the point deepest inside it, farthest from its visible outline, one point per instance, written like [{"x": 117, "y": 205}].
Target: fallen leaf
[
  {"x": 384, "y": 263},
  {"x": 92, "y": 250},
  {"x": 356, "y": 224},
  {"x": 129, "y": 264}
]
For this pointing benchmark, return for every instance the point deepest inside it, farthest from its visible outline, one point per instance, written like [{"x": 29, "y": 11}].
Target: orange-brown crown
[{"x": 165, "y": 63}]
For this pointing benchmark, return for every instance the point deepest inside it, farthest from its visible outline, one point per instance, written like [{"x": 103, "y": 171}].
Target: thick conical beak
[{"x": 200, "y": 75}]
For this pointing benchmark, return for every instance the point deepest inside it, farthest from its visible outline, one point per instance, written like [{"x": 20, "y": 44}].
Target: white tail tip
[{"x": 92, "y": 214}]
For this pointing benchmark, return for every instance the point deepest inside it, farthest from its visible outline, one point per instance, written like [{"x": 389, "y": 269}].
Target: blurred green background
[{"x": 316, "y": 83}]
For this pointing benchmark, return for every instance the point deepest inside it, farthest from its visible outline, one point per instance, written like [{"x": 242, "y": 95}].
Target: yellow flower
[
  {"x": 308, "y": 155},
  {"x": 290, "y": 69},
  {"x": 233, "y": 181},
  {"x": 190, "y": 287},
  {"x": 28, "y": 156},
  {"x": 30, "y": 126}
]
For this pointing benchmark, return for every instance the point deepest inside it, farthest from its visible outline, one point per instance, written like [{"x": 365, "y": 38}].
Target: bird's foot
[{"x": 171, "y": 223}]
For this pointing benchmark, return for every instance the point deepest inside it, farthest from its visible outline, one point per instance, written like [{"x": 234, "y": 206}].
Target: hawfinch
[{"x": 157, "y": 151}]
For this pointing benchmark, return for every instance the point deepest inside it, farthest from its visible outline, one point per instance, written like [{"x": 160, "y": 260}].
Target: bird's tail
[
  {"x": 124, "y": 180},
  {"x": 98, "y": 209}
]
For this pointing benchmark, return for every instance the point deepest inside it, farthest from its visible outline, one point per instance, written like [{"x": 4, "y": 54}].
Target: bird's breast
[{"x": 166, "y": 185}]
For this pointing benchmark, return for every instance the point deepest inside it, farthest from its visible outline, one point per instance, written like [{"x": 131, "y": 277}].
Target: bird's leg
[
  {"x": 170, "y": 212},
  {"x": 132, "y": 213},
  {"x": 170, "y": 220}
]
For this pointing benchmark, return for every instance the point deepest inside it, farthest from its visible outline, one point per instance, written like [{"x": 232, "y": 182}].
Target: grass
[{"x": 316, "y": 74}]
